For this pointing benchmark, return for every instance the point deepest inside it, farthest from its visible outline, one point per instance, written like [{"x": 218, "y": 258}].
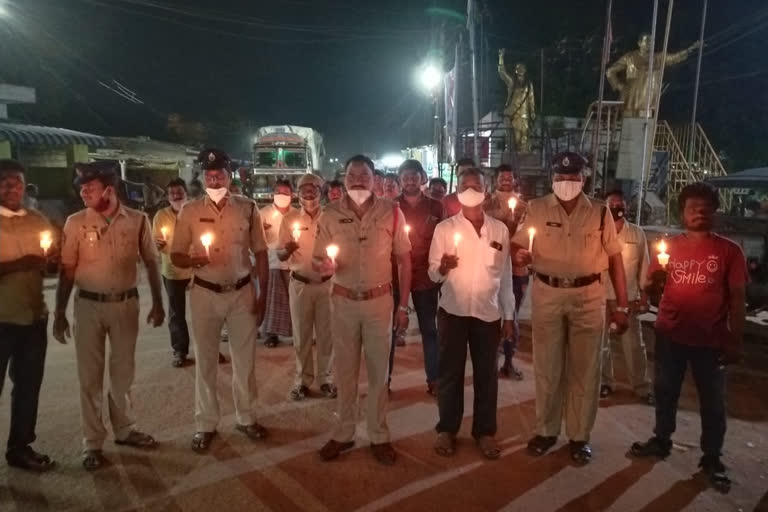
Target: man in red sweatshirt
[{"x": 700, "y": 322}]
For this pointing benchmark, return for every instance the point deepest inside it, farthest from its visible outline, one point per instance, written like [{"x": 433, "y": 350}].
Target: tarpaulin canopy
[
  {"x": 47, "y": 136},
  {"x": 751, "y": 178}
]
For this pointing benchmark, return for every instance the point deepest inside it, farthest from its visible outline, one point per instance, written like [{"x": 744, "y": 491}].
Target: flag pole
[
  {"x": 698, "y": 73},
  {"x": 649, "y": 88}
]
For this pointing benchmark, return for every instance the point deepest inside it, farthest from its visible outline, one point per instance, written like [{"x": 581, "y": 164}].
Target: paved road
[{"x": 284, "y": 472}]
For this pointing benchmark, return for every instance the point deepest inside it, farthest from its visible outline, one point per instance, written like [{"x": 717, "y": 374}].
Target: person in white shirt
[
  {"x": 277, "y": 321},
  {"x": 470, "y": 256},
  {"x": 634, "y": 252}
]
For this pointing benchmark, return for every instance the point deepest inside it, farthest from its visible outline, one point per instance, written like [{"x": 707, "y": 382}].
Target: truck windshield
[{"x": 271, "y": 158}]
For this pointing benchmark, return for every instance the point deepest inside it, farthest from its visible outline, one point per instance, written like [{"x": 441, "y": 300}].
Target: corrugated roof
[{"x": 47, "y": 136}]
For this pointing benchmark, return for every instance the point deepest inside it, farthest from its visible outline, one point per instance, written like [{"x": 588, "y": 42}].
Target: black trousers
[
  {"x": 454, "y": 334},
  {"x": 671, "y": 362},
  {"x": 24, "y": 347},
  {"x": 177, "y": 319}
]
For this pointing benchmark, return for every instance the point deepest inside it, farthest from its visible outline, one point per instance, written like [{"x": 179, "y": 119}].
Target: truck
[{"x": 284, "y": 152}]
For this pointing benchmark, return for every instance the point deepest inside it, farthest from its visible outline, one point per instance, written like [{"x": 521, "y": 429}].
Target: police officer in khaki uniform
[
  {"x": 101, "y": 247},
  {"x": 222, "y": 293},
  {"x": 309, "y": 292},
  {"x": 574, "y": 243},
  {"x": 367, "y": 231}
]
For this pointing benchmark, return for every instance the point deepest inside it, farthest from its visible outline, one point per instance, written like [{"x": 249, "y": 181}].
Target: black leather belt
[
  {"x": 307, "y": 280},
  {"x": 108, "y": 297},
  {"x": 223, "y": 288},
  {"x": 565, "y": 282}
]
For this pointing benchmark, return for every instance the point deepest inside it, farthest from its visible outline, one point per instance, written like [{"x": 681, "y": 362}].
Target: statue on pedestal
[
  {"x": 519, "y": 111},
  {"x": 634, "y": 89}
]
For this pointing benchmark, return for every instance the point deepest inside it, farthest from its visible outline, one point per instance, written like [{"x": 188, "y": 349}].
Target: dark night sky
[{"x": 344, "y": 67}]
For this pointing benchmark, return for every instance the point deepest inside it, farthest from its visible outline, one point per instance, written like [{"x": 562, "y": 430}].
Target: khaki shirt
[
  {"x": 21, "y": 293},
  {"x": 572, "y": 245},
  {"x": 634, "y": 253},
  {"x": 301, "y": 260},
  {"x": 365, "y": 245},
  {"x": 236, "y": 230},
  {"x": 105, "y": 255},
  {"x": 273, "y": 219},
  {"x": 166, "y": 218}
]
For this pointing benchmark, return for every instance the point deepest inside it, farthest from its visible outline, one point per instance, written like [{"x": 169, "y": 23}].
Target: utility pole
[
  {"x": 471, "y": 13},
  {"x": 601, "y": 94},
  {"x": 541, "y": 112}
]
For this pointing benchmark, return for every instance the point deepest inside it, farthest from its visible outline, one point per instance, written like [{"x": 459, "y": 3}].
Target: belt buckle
[
  {"x": 225, "y": 288},
  {"x": 566, "y": 283}
]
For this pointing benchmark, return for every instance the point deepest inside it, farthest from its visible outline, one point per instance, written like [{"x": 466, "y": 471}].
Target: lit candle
[
  {"x": 275, "y": 214},
  {"x": 296, "y": 232},
  {"x": 332, "y": 251},
  {"x": 206, "y": 239},
  {"x": 45, "y": 241},
  {"x": 531, "y": 234},
  {"x": 407, "y": 229},
  {"x": 663, "y": 256},
  {"x": 512, "y": 204},
  {"x": 164, "y": 231},
  {"x": 456, "y": 240}
]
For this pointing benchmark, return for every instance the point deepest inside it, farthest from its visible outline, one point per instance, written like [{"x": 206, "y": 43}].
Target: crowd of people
[{"x": 338, "y": 276}]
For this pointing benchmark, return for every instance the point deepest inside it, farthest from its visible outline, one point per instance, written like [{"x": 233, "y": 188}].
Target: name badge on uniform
[
  {"x": 496, "y": 245},
  {"x": 630, "y": 243},
  {"x": 554, "y": 224},
  {"x": 211, "y": 221},
  {"x": 346, "y": 221}
]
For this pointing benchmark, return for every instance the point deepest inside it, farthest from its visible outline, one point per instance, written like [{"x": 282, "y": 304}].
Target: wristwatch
[
  {"x": 404, "y": 309},
  {"x": 624, "y": 310}
]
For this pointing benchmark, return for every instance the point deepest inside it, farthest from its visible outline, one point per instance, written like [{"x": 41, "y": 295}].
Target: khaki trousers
[
  {"x": 367, "y": 326},
  {"x": 567, "y": 339},
  {"x": 311, "y": 314},
  {"x": 93, "y": 322},
  {"x": 633, "y": 348},
  {"x": 210, "y": 311}
]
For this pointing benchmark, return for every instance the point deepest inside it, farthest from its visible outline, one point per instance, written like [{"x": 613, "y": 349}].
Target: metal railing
[
  {"x": 702, "y": 158},
  {"x": 680, "y": 173}
]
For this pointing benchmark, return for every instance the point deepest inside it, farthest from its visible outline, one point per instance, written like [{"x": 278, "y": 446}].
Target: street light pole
[{"x": 473, "y": 52}]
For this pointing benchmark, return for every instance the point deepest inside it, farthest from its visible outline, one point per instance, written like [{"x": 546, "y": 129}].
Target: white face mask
[
  {"x": 471, "y": 198},
  {"x": 282, "y": 200},
  {"x": 176, "y": 205},
  {"x": 359, "y": 196},
  {"x": 216, "y": 194},
  {"x": 567, "y": 190}
]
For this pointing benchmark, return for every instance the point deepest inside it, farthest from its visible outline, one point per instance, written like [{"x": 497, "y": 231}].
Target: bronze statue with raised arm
[
  {"x": 519, "y": 111},
  {"x": 634, "y": 89}
]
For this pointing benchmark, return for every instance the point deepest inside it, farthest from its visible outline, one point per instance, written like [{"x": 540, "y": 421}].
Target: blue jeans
[
  {"x": 518, "y": 285},
  {"x": 425, "y": 304},
  {"x": 672, "y": 360}
]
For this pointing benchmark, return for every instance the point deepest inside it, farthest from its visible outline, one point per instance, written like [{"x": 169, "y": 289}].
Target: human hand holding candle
[
  {"x": 45, "y": 242},
  {"x": 663, "y": 256},
  {"x": 206, "y": 239}
]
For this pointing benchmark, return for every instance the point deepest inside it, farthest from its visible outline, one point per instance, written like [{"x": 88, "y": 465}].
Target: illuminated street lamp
[{"x": 430, "y": 77}]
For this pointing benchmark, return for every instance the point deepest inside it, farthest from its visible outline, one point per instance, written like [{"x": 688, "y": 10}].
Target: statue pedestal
[{"x": 630, "y": 162}]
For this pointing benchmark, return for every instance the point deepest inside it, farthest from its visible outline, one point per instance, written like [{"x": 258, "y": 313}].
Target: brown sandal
[
  {"x": 137, "y": 439},
  {"x": 444, "y": 444},
  {"x": 489, "y": 447}
]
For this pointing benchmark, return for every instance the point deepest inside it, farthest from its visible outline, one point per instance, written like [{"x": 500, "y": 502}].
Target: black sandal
[
  {"x": 201, "y": 441},
  {"x": 581, "y": 452},
  {"x": 540, "y": 445},
  {"x": 654, "y": 447},
  {"x": 255, "y": 432},
  {"x": 715, "y": 470},
  {"x": 93, "y": 460}
]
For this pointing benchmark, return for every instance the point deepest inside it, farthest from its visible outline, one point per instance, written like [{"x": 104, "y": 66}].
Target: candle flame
[
  {"x": 45, "y": 240},
  {"x": 512, "y": 203},
  {"x": 407, "y": 229},
  {"x": 206, "y": 239},
  {"x": 332, "y": 251},
  {"x": 456, "y": 238},
  {"x": 531, "y": 232},
  {"x": 662, "y": 247}
]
